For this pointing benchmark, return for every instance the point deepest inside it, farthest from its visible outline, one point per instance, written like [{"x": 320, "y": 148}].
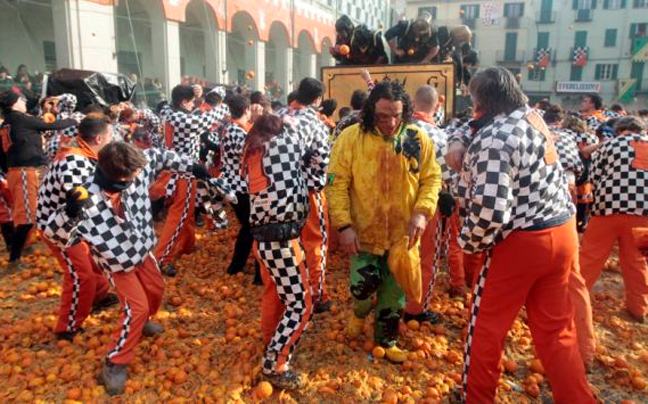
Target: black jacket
[{"x": 24, "y": 144}]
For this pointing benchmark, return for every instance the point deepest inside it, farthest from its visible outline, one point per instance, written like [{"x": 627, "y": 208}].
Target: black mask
[{"x": 109, "y": 185}]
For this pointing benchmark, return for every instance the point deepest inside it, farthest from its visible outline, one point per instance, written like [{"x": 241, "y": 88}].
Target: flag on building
[
  {"x": 491, "y": 13},
  {"x": 580, "y": 56},
  {"x": 627, "y": 90},
  {"x": 543, "y": 57},
  {"x": 640, "y": 49}
]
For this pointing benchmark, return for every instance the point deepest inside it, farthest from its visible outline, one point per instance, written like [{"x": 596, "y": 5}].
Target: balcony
[
  {"x": 513, "y": 22},
  {"x": 510, "y": 58},
  {"x": 470, "y": 22},
  {"x": 584, "y": 15},
  {"x": 546, "y": 17}
]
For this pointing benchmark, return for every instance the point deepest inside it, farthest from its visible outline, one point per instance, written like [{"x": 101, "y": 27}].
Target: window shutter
[
  {"x": 633, "y": 29},
  {"x": 506, "y": 9},
  {"x": 615, "y": 71},
  {"x": 476, "y": 11},
  {"x": 593, "y": 4},
  {"x": 606, "y": 4},
  {"x": 575, "y": 4},
  {"x": 624, "y": 3},
  {"x": 597, "y": 74},
  {"x": 543, "y": 39},
  {"x": 521, "y": 10}
]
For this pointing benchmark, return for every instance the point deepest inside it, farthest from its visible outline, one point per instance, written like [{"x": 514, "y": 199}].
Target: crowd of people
[{"x": 502, "y": 191}]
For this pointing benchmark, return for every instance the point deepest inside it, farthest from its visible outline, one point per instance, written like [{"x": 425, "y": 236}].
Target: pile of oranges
[{"x": 211, "y": 350}]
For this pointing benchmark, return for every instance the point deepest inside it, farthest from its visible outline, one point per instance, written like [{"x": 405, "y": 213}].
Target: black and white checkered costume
[
  {"x": 568, "y": 156},
  {"x": 67, "y": 104},
  {"x": 187, "y": 128},
  {"x": 233, "y": 142},
  {"x": 620, "y": 185},
  {"x": 63, "y": 175},
  {"x": 284, "y": 200},
  {"x": 314, "y": 134},
  {"x": 153, "y": 125},
  {"x": 506, "y": 184},
  {"x": 440, "y": 140},
  {"x": 118, "y": 244}
]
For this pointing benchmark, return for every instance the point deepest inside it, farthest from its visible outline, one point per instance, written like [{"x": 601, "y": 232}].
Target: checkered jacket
[
  {"x": 232, "y": 145},
  {"x": 118, "y": 244},
  {"x": 440, "y": 140},
  {"x": 619, "y": 175},
  {"x": 314, "y": 134},
  {"x": 67, "y": 104},
  {"x": 506, "y": 184},
  {"x": 582, "y": 139},
  {"x": 567, "y": 149},
  {"x": 187, "y": 128},
  {"x": 63, "y": 175},
  {"x": 351, "y": 119},
  {"x": 285, "y": 199},
  {"x": 153, "y": 125}
]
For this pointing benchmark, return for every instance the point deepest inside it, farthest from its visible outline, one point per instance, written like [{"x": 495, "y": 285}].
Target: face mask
[{"x": 110, "y": 185}]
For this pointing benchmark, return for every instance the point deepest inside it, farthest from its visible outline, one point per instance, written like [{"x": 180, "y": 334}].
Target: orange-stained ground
[{"x": 211, "y": 349}]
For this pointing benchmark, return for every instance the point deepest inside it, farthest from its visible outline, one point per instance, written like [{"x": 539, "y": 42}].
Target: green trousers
[{"x": 370, "y": 274}]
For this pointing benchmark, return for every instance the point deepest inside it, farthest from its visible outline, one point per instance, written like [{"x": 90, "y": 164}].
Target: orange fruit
[
  {"x": 413, "y": 325},
  {"x": 180, "y": 377},
  {"x": 175, "y": 301},
  {"x": 368, "y": 345},
  {"x": 263, "y": 390},
  {"x": 74, "y": 393},
  {"x": 390, "y": 397},
  {"x": 639, "y": 383},
  {"x": 345, "y": 50},
  {"x": 378, "y": 352},
  {"x": 536, "y": 366},
  {"x": 510, "y": 366},
  {"x": 533, "y": 390}
]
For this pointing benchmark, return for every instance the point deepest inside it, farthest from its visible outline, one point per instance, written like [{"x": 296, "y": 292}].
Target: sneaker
[
  {"x": 152, "y": 329},
  {"x": 639, "y": 318},
  {"x": 200, "y": 222},
  {"x": 321, "y": 307},
  {"x": 169, "y": 271},
  {"x": 111, "y": 299},
  {"x": 427, "y": 316},
  {"x": 288, "y": 380},
  {"x": 114, "y": 378},
  {"x": 355, "y": 327},
  {"x": 69, "y": 335},
  {"x": 395, "y": 354}
]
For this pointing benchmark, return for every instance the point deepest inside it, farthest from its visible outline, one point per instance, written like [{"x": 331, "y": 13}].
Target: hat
[{"x": 218, "y": 90}]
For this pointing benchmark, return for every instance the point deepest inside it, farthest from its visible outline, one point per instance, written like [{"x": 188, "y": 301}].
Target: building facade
[
  {"x": 251, "y": 42},
  {"x": 560, "y": 49}
]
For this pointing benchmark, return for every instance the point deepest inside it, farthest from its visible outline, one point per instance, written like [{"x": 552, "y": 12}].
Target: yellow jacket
[{"x": 376, "y": 183}]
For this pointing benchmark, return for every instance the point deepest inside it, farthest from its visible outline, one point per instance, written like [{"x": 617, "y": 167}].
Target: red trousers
[
  {"x": 600, "y": 236},
  {"x": 178, "y": 236},
  {"x": 430, "y": 247},
  {"x": 455, "y": 255},
  {"x": 580, "y": 298},
  {"x": 140, "y": 294},
  {"x": 83, "y": 284},
  {"x": 530, "y": 268},
  {"x": 314, "y": 238},
  {"x": 23, "y": 183}
]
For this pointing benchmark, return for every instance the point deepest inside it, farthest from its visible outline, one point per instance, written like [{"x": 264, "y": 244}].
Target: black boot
[{"x": 7, "y": 233}]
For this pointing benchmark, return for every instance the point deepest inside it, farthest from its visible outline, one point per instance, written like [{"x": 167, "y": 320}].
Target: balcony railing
[
  {"x": 513, "y": 22},
  {"x": 470, "y": 22},
  {"x": 546, "y": 17},
  {"x": 584, "y": 15},
  {"x": 508, "y": 58}
]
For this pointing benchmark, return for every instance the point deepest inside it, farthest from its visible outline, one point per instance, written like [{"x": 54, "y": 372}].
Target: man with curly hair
[{"x": 383, "y": 186}]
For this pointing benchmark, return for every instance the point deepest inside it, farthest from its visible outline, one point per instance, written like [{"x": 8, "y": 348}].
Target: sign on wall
[
  {"x": 342, "y": 81},
  {"x": 578, "y": 87}
]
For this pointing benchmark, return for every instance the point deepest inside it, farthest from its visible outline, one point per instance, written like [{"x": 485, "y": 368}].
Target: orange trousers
[
  {"x": 314, "y": 238},
  {"x": 23, "y": 183},
  {"x": 158, "y": 189},
  {"x": 286, "y": 302},
  {"x": 140, "y": 293},
  {"x": 530, "y": 268},
  {"x": 83, "y": 284},
  {"x": 580, "y": 298},
  {"x": 178, "y": 235},
  {"x": 600, "y": 236},
  {"x": 430, "y": 247}
]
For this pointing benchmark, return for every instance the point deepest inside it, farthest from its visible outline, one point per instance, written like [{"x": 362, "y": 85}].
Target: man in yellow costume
[{"x": 383, "y": 185}]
